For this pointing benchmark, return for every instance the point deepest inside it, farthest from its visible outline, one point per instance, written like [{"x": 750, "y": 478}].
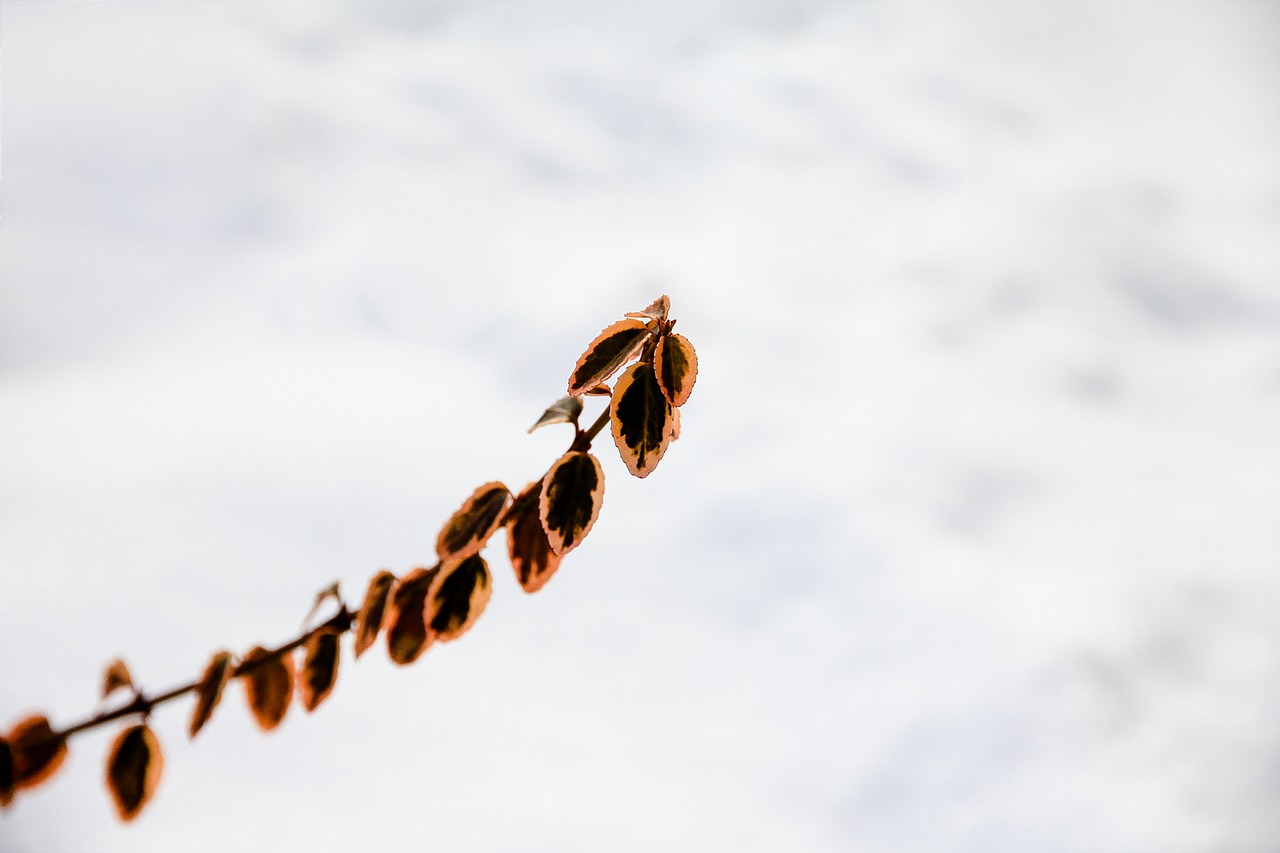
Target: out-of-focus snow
[{"x": 970, "y": 542}]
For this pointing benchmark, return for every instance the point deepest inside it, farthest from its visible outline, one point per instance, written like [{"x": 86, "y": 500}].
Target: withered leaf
[
  {"x": 610, "y": 350},
  {"x": 369, "y": 619},
  {"x": 572, "y": 494},
  {"x": 133, "y": 770},
  {"x": 8, "y": 784},
  {"x": 268, "y": 686},
  {"x": 319, "y": 668},
  {"x": 215, "y": 677},
  {"x": 657, "y": 310},
  {"x": 640, "y": 417},
  {"x": 407, "y": 635},
  {"x": 116, "y": 676},
  {"x": 562, "y": 411},
  {"x": 676, "y": 365},
  {"x": 457, "y": 597},
  {"x": 37, "y": 752},
  {"x": 527, "y": 544},
  {"x": 470, "y": 527}
]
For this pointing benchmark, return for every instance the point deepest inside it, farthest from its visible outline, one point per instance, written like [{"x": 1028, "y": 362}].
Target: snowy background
[{"x": 971, "y": 541}]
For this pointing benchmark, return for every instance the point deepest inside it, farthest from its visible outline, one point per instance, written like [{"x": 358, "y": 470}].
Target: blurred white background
[{"x": 971, "y": 541}]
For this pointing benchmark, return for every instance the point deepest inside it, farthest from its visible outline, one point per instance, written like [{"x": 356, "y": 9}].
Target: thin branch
[{"x": 340, "y": 622}]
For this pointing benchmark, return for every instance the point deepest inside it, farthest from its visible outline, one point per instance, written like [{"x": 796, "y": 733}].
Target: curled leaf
[
  {"x": 641, "y": 419},
  {"x": 572, "y": 494},
  {"x": 37, "y": 751},
  {"x": 563, "y": 411},
  {"x": 133, "y": 770},
  {"x": 215, "y": 677},
  {"x": 268, "y": 686},
  {"x": 676, "y": 365},
  {"x": 657, "y": 310},
  {"x": 369, "y": 619},
  {"x": 605, "y": 355},
  {"x": 527, "y": 543},
  {"x": 319, "y": 668},
  {"x": 457, "y": 597},
  {"x": 116, "y": 676},
  {"x": 407, "y": 635},
  {"x": 8, "y": 784},
  {"x": 470, "y": 527},
  {"x": 601, "y": 390}
]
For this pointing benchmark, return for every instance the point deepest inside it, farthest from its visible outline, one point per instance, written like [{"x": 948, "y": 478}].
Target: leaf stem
[{"x": 340, "y": 622}]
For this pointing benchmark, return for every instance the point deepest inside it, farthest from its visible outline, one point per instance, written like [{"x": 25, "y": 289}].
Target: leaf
[
  {"x": 562, "y": 411},
  {"x": 641, "y": 419},
  {"x": 407, "y": 635},
  {"x": 116, "y": 676},
  {"x": 133, "y": 770},
  {"x": 527, "y": 544},
  {"x": 37, "y": 751},
  {"x": 215, "y": 677},
  {"x": 268, "y": 686},
  {"x": 369, "y": 619},
  {"x": 601, "y": 390},
  {"x": 319, "y": 668},
  {"x": 676, "y": 365},
  {"x": 457, "y": 597},
  {"x": 675, "y": 424},
  {"x": 572, "y": 494},
  {"x": 657, "y": 310},
  {"x": 470, "y": 527},
  {"x": 610, "y": 350},
  {"x": 8, "y": 784}
]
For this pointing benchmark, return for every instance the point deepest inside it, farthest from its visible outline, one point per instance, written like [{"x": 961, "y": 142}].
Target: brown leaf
[
  {"x": 369, "y": 619},
  {"x": 37, "y": 751},
  {"x": 563, "y": 411},
  {"x": 268, "y": 686},
  {"x": 657, "y": 310},
  {"x": 572, "y": 494},
  {"x": 676, "y": 365},
  {"x": 8, "y": 784},
  {"x": 133, "y": 770},
  {"x": 601, "y": 390},
  {"x": 215, "y": 677},
  {"x": 319, "y": 668},
  {"x": 527, "y": 544},
  {"x": 470, "y": 527},
  {"x": 116, "y": 676},
  {"x": 457, "y": 597},
  {"x": 641, "y": 419},
  {"x": 407, "y": 635},
  {"x": 610, "y": 350}
]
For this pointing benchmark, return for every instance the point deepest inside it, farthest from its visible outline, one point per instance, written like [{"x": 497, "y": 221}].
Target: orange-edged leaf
[
  {"x": 133, "y": 770},
  {"x": 601, "y": 390},
  {"x": 675, "y": 423},
  {"x": 562, "y": 411},
  {"x": 527, "y": 544},
  {"x": 641, "y": 419},
  {"x": 457, "y": 597},
  {"x": 369, "y": 619},
  {"x": 611, "y": 349},
  {"x": 268, "y": 686},
  {"x": 470, "y": 527},
  {"x": 209, "y": 694},
  {"x": 407, "y": 635},
  {"x": 657, "y": 309},
  {"x": 37, "y": 751},
  {"x": 116, "y": 676},
  {"x": 572, "y": 494},
  {"x": 319, "y": 668},
  {"x": 8, "y": 784},
  {"x": 676, "y": 365}
]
